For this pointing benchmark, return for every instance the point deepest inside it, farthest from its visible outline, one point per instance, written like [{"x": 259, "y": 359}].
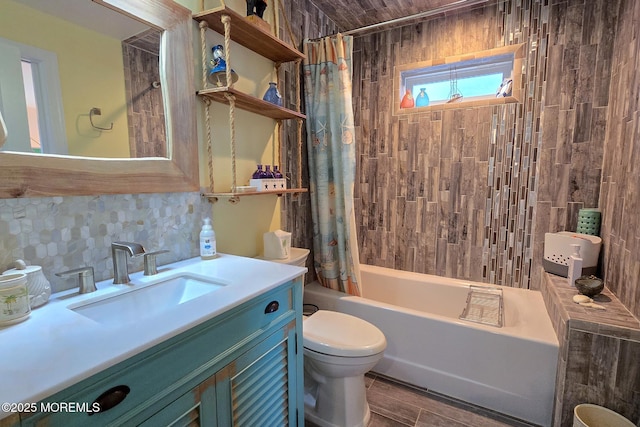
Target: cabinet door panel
[
  {"x": 254, "y": 388},
  {"x": 192, "y": 409}
]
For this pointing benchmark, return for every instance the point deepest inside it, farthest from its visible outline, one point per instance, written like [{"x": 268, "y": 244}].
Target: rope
[
  {"x": 277, "y": 142},
  {"x": 232, "y": 132},
  {"x": 207, "y": 119},
  {"x": 226, "y": 21},
  {"x": 299, "y": 121},
  {"x": 203, "y": 43},
  {"x": 286, "y": 21}
]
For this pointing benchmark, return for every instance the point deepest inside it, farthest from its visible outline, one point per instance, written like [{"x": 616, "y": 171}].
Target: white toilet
[{"x": 338, "y": 350}]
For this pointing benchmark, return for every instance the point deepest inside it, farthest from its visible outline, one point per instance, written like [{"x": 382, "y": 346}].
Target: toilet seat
[{"x": 343, "y": 335}]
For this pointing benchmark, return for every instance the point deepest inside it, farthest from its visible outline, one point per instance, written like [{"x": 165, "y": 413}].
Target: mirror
[
  {"x": 78, "y": 78},
  {"x": 28, "y": 174}
]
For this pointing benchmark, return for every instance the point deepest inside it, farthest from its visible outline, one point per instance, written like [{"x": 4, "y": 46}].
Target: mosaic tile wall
[
  {"x": 450, "y": 192},
  {"x": 620, "y": 192},
  {"x": 60, "y": 233},
  {"x": 307, "y": 21}
]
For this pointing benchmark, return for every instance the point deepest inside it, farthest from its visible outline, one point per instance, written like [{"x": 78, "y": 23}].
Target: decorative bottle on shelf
[
  {"x": 422, "y": 100},
  {"x": 574, "y": 270},
  {"x": 272, "y": 95},
  {"x": 267, "y": 173},
  {"x": 258, "y": 174},
  {"x": 276, "y": 172}
]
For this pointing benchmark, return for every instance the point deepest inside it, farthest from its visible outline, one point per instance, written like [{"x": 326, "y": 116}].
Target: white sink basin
[{"x": 146, "y": 300}]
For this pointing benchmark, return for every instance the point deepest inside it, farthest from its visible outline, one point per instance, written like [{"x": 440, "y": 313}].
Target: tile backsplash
[{"x": 60, "y": 233}]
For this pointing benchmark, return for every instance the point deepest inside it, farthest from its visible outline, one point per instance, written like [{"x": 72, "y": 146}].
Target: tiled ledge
[{"x": 616, "y": 321}]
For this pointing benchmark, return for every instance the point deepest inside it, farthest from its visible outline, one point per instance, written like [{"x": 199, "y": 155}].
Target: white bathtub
[{"x": 510, "y": 369}]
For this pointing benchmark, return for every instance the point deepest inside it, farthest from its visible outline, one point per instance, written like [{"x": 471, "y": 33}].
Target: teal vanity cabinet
[{"x": 240, "y": 368}]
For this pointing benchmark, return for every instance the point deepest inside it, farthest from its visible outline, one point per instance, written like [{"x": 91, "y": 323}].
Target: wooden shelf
[
  {"x": 235, "y": 197},
  {"x": 251, "y": 103},
  {"x": 249, "y": 35}
]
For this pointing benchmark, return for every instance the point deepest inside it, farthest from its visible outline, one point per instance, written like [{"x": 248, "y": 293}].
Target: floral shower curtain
[{"x": 332, "y": 161}]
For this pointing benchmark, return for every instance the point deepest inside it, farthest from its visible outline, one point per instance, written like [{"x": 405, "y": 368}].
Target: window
[
  {"x": 487, "y": 75},
  {"x": 32, "y": 106}
]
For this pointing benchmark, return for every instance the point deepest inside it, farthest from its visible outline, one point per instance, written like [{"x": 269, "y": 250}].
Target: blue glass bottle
[
  {"x": 272, "y": 95},
  {"x": 276, "y": 172},
  {"x": 422, "y": 100}
]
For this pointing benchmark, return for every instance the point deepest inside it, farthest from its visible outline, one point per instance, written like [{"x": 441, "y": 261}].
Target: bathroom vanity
[{"x": 217, "y": 343}]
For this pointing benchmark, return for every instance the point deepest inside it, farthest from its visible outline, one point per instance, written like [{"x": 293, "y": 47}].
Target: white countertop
[{"x": 57, "y": 347}]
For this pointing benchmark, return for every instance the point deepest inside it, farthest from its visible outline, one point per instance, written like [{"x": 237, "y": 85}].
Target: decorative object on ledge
[
  {"x": 217, "y": 75},
  {"x": 422, "y": 100},
  {"x": 589, "y": 285},
  {"x": 589, "y": 222},
  {"x": 256, "y": 7},
  {"x": 505, "y": 89},
  {"x": 407, "y": 100},
  {"x": 454, "y": 92},
  {"x": 95, "y": 111},
  {"x": 272, "y": 95}
]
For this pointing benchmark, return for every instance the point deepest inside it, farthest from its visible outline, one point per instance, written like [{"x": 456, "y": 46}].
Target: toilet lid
[{"x": 340, "y": 334}]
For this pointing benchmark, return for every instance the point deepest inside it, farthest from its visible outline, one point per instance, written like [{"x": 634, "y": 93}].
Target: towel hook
[{"x": 97, "y": 112}]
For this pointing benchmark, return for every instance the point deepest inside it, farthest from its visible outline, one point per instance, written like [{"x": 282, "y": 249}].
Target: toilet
[{"x": 338, "y": 350}]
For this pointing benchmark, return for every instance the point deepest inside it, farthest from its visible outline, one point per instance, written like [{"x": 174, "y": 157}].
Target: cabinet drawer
[{"x": 151, "y": 380}]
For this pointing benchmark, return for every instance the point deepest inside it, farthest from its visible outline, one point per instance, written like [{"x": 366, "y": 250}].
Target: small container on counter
[
  {"x": 14, "y": 299},
  {"x": 38, "y": 286}
]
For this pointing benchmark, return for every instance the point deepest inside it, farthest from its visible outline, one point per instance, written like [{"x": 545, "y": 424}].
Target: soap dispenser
[
  {"x": 574, "y": 270},
  {"x": 207, "y": 241}
]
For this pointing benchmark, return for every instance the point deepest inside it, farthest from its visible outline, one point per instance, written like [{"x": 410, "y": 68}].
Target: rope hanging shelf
[{"x": 262, "y": 42}]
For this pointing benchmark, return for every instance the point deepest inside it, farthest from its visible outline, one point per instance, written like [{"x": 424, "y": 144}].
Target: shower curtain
[{"x": 332, "y": 161}]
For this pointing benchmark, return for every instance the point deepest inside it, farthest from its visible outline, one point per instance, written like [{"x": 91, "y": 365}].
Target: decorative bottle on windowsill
[
  {"x": 276, "y": 172},
  {"x": 272, "y": 95},
  {"x": 407, "y": 100},
  {"x": 422, "y": 100}
]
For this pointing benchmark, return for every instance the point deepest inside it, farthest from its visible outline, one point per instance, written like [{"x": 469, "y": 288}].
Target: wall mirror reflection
[{"x": 80, "y": 79}]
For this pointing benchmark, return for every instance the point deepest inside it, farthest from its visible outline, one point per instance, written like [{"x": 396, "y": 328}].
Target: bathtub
[{"x": 509, "y": 369}]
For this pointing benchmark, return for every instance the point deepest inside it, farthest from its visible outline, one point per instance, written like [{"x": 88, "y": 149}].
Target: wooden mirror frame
[{"x": 36, "y": 175}]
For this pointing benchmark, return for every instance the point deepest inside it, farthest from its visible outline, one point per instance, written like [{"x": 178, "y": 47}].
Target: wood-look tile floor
[{"x": 394, "y": 404}]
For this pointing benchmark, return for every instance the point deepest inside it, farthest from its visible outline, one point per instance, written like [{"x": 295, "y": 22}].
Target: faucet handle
[
  {"x": 150, "y": 267},
  {"x": 86, "y": 282}
]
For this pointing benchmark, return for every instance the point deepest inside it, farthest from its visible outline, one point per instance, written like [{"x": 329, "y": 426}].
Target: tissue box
[
  {"x": 557, "y": 250},
  {"x": 269, "y": 184},
  {"x": 277, "y": 244}
]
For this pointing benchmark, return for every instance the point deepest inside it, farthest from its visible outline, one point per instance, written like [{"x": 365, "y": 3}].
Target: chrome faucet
[
  {"x": 86, "y": 282},
  {"x": 119, "y": 251}
]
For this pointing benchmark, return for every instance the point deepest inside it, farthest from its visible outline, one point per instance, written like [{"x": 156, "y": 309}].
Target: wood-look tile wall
[
  {"x": 620, "y": 191},
  {"x": 450, "y": 192},
  {"x": 307, "y": 21},
  {"x": 145, "y": 109},
  {"x": 575, "y": 117}
]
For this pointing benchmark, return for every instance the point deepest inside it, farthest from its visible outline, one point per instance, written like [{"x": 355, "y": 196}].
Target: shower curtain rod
[{"x": 443, "y": 9}]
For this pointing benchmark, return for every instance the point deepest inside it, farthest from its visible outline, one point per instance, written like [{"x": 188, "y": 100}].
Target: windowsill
[{"x": 459, "y": 104}]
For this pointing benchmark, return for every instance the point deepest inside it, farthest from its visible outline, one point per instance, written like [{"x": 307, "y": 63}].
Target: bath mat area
[{"x": 484, "y": 305}]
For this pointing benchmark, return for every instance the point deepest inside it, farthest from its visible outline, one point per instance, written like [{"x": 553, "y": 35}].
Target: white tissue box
[
  {"x": 277, "y": 244},
  {"x": 269, "y": 184}
]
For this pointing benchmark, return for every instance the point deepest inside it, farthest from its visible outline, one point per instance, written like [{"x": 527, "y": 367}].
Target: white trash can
[{"x": 588, "y": 415}]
